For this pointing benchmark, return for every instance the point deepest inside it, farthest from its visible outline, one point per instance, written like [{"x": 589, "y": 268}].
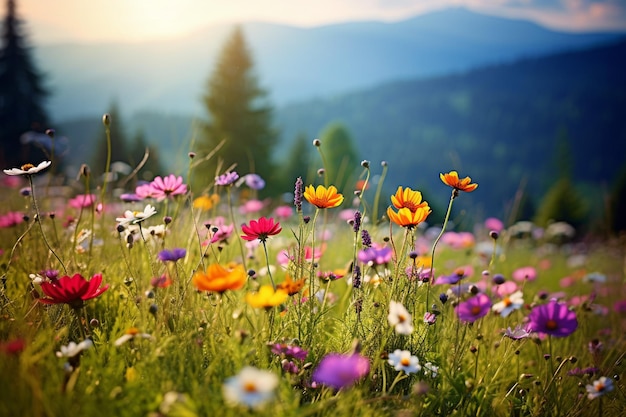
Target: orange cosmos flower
[
  {"x": 408, "y": 198},
  {"x": 452, "y": 179},
  {"x": 219, "y": 279},
  {"x": 407, "y": 218},
  {"x": 266, "y": 297},
  {"x": 321, "y": 197},
  {"x": 290, "y": 286}
]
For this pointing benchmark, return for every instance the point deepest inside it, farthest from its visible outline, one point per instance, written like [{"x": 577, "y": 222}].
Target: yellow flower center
[
  {"x": 401, "y": 318},
  {"x": 26, "y": 167},
  {"x": 507, "y": 301},
  {"x": 132, "y": 331},
  {"x": 249, "y": 386},
  {"x": 405, "y": 361}
]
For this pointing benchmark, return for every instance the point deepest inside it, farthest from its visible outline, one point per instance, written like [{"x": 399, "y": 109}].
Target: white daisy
[
  {"x": 28, "y": 169},
  {"x": 400, "y": 318},
  {"x": 509, "y": 303},
  {"x": 131, "y": 334},
  {"x": 599, "y": 387},
  {"x": 73, "y": 349},
  {"x": 402, "y": 360},
  {"x": 252, "y": 387},
  {"x": 135, "y": 217}
]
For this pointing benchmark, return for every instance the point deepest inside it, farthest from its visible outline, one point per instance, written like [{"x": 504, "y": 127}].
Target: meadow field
[{"x": 149, "y": 300}]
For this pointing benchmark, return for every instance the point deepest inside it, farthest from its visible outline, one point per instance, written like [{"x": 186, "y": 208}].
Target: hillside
[
  {"x": 292, "y": 63},
  {"x": 502, "y": 119}
]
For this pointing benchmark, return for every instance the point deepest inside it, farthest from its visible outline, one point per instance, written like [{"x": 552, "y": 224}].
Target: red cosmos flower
[
  {"x": 72, "y": 290},
  {"x": 261, "y": 229}
]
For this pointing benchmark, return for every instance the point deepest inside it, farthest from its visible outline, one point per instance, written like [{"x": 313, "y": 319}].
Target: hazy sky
[{"x": 137, "y": 20}]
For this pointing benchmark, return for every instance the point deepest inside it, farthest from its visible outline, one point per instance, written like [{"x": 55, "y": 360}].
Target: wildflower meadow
[{"x": 151, "y": 300}]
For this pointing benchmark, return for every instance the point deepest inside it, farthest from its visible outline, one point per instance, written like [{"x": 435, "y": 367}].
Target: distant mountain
[
  {"x": 499, "y": 124},
  {"x": 293, "y": 64}
]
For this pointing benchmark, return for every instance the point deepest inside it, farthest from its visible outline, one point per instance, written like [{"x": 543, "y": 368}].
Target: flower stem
[
  {"x": 267, "y": 261},
  {"x": 455, "y": 193},
  {"x": 232, "y": 218},
  {"x": 32, "y": 192}
]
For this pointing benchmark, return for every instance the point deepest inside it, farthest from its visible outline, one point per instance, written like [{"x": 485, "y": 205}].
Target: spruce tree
[
  {"x": 240, "y": 116},
  {"x": 21, "y": 95}
]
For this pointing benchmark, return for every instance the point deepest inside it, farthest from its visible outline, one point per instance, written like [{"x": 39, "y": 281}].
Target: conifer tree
[
  {"x": 341, "y": 156},
  {"x": 21, "y": 95},
  {"x": 239, "y": 116}
]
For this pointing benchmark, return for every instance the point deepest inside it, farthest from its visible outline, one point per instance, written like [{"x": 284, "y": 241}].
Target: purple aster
[
  {"x": 553, "y": 318},
  {"x": 341, "y": 371},
  {"x": 375, "y": 256},
  {"x": 454, "y": 278},
  {"x": 130, "y": 198},
  {"x": 226, "y": 179},
  {"x": 289, "y": 351},
  {"x": 474, "y": 308},
  {"x": 254, "y": 181},
  {"x": 297, "y": 194},
  {"x": 172, "y": 255}
]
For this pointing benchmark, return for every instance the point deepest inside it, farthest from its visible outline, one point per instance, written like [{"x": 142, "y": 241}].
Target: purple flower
[
  {"x": 375, "y": 256},
  {"x": 289, "y": 351},
  {"x": 130, "y": 198},
  {"x": 297, "y": 194},
  {"x": 254, "y": 181},
  {"x": 226, "y": 179},
  {"x": 474, "y": 308},
  {"x": 553, "y": 318},
  {"x": 454, "y": 278},
  {"x": 172, "y": 255},
  {"x": 340, "y": 371},
  {"x": 517, "y": 333}
]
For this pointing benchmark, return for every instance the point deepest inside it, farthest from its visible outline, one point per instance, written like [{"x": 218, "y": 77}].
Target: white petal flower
[
  {"x": 28, "y": 169},
  {"x": 252, "y": 387},
  {"x": 599, "y": 387},
  {"x": 134, "y": 217},
  {"x": 402, "y": 360},
  {"x": 131, "y": 334},
  {"x": 400, "y": 318},
  {"x": 509, "y": 303},
  {"x": 73, "y": 349}
]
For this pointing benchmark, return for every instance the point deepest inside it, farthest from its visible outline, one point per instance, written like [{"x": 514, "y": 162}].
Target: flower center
[
  {"x": 26, "y": 167},
  {"x": 600, "y": 387},
  {"x": 249, "y": 386},
  {"x": 475, "y": 310},
  {"x": 401, "y": 318},
  {"x": 507, "y": 301},
  {"x": 551, "y": 325},
  {"x": 133, "y": 331},
  {"x": 405, "y": 362}
]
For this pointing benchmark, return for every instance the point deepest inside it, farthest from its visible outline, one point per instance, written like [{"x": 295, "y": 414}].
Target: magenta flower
[
  {"x": 145, "y": 191},
  {"x": 72, "y": 290},
  {"x": 553, "y": 319},
  {"x": 494, "y": 224},
  {"x": 341, "y": 371},
  {"x": 283, "y": 212},
  {"x": 167, "y": 187},
  {"x": 82, "y": 201},
  {"x": 260, "y": 229},
  {"x": 11, "y": 219},
  {"x": 474, "y": 308},
  {"x": 527, "y": 273}
]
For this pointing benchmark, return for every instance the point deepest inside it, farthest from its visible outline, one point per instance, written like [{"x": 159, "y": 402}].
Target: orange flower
[
  {"x": 408, "y": 198},
  {"x": 452, "y": 179},
  {"x": 266, "y": 297},
  {"x": 290, "y": 286},
  {"x": 219, "y": 279},
  {"x": 407, "y": 218},
  {"x": 321, "y": 197}
]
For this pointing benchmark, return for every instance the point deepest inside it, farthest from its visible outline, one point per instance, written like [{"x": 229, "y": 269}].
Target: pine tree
[
  {"x": 341, "y": 156},
  {"x": 21, "y": 95},
  {"x": 297, "y": 162},
  {"x": 240, "y": 117}
]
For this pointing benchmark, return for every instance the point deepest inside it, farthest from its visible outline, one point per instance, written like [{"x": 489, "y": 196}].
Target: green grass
[{"x": 200, "y": 339}]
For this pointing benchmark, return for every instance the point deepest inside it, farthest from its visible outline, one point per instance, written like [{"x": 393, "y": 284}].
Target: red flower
[
  {"x": 72, "y": 290},
  {"x": 261, "y": 229}
]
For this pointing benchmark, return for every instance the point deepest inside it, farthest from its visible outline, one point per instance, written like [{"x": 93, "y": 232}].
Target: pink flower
[
  {"x": 260, "y": 229},
  {"x": 251, "y": 206},
  {"x": 11, "y": 219},
  {"x": 504, "y": 289},
  {"x": 145, "y": 191},
  {"x": 82, "y": 201},
  {"x": 527, "y": 273},
  {"x": 167, "y": 187},
  {"x": 283, "y": 212},
  {"x": 494, "y": 224}
]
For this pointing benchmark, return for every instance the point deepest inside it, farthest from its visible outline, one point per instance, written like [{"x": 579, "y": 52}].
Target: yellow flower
[
  {"x": 219, "y": 279},
  {"x": 205, "y": 202},
  {"x": 290, "y": 286},
  {"x": 452, "y": 179},
  {"x": 266, "y": 297},
  {"x": 407, "y": 218},
  {"x": 321, "y": 197},
  {"x": 408, "y": 198}
]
